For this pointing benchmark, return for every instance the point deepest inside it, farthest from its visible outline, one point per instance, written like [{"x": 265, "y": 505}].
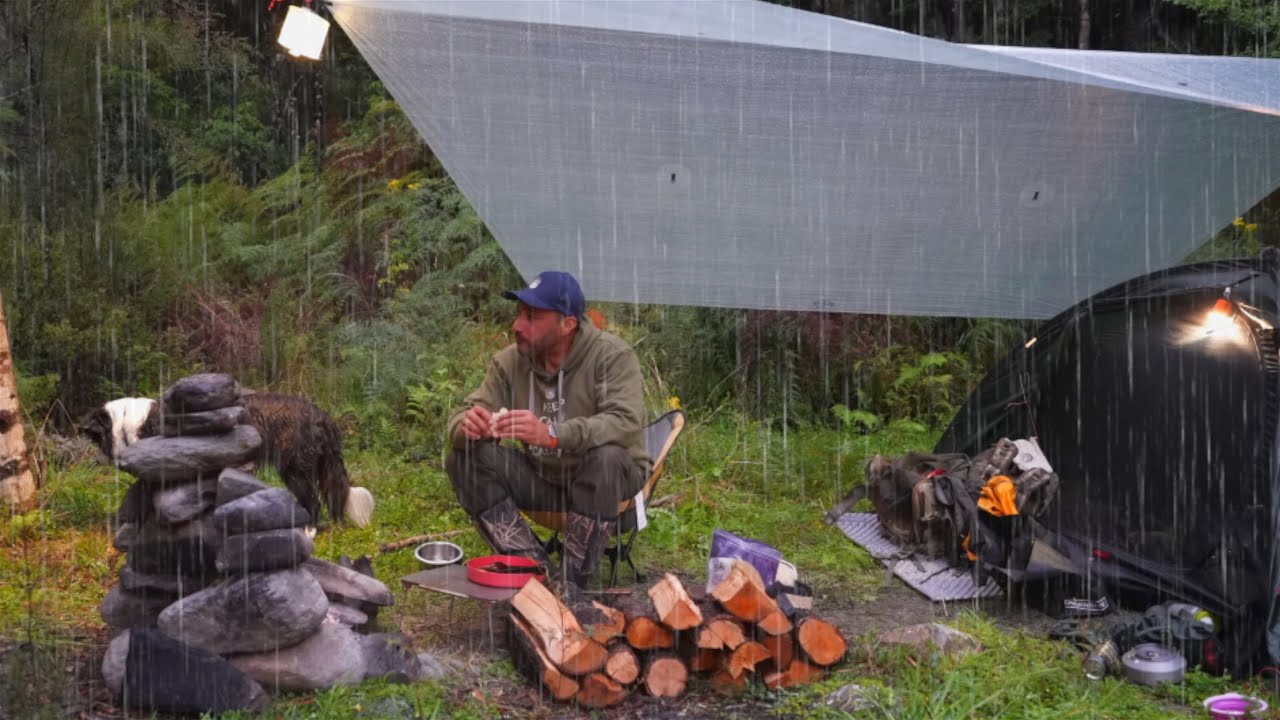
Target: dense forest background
[{"x": 177, "y": 195}]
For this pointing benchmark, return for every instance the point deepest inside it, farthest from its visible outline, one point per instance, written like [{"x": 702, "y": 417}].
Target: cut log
[
  {"x": 775, "y": 623},
  {"x": 721, "y": 632},
  {"x": 703, "y": 660},
  {"x": 558, "y": 631},
  {"x": 726, "y": 683},
  {"x": 820, "y": 641},
  {"x": 742, "y": 595},
  {"x": 781, "y": 650},
  {"x": 645, "y": 633},
  {"x": 598, "y": 691},
  {"x": 799, "y": 673},
  {"x": 622, "y": 666},
  {"x": 665, "y": 675},
  {"x": 746, "y": 657},
  {"x": 674, "y": 607},
  {"x": 607, "y": 623},
  {"x": 534, "y": 664}
]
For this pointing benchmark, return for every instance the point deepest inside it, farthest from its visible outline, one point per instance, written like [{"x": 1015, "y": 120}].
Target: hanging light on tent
[{"x": 303, "y": 32}]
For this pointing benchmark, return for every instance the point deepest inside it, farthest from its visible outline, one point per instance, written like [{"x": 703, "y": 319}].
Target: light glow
[
  {"x": 1221, "y": 318},
  {"x": 303, "y": 33}
]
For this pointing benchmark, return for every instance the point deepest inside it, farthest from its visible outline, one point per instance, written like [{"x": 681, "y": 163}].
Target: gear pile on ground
[
  {"x": 594, "y": 655},
  {"x": 219, "y": 596}
]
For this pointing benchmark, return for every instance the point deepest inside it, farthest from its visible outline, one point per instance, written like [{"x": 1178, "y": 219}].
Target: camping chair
[{"x": 659, "y": 436}]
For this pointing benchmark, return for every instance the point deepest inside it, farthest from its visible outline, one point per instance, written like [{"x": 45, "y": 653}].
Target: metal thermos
[{"x": 1102, "y": 660}]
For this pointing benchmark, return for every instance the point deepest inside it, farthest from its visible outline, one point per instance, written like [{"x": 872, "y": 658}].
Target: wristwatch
[{"x": 551, "y": 430}]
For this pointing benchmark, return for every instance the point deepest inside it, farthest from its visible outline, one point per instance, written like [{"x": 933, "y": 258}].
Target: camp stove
[{"x": 1152, "y": 664}]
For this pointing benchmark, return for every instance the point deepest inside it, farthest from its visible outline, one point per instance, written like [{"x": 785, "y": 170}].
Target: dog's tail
[{"x": 359, "y": 506}]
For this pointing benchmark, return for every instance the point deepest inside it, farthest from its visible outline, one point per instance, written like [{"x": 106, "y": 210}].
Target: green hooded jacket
[{"x": 596, "y": 398}]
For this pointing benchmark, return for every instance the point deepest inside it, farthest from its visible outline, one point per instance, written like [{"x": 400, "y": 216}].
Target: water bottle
[
  {"x": 1102, "y": 660},
  {"x": 1192, "y": 615}
]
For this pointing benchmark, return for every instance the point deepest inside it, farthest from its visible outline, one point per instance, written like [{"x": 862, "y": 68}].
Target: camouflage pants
[{"x": 485, "y": 473}]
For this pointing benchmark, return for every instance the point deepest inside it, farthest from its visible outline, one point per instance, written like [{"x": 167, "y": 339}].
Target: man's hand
[
  {"x": 476, "y": 423},
  {"x": 521, "y": 425}
]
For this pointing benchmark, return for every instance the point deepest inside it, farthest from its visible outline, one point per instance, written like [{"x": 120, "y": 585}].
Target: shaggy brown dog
[{"x": 299, "y": 440}]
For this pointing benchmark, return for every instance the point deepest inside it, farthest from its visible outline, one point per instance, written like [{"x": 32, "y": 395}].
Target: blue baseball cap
[{"x": 552, "y": 290}]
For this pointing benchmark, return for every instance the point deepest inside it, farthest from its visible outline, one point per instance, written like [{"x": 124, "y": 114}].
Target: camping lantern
[
  {"x": 303, "y": 32},
  {"x": 1221, "y": 317}
]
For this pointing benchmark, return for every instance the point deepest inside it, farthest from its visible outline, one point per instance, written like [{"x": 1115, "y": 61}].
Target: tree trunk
[
  {"x": 1084, "y": 25},
  {"x": 17, "y": 487}
]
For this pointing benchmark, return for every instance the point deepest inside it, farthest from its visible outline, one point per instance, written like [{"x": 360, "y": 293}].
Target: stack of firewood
[{"x": 594, "y": 654}]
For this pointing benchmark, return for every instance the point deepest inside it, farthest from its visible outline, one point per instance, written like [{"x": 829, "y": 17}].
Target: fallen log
[
  {"x": 820, "y": 641},
  {"x": 561, "y": 637},
  {"x": 746, "y": 657},
  {"x": 672, "y": 604},
  {"x": 417, "y": 539},
  {"x": 623, "y": 666},
  {"x": 742, "y": 594},
  {"x": 534, "y": 664},
  {"x": 598, "y": 691},
  {"x": 665, "y": 675},
  {"x": 798, "y": 673}
]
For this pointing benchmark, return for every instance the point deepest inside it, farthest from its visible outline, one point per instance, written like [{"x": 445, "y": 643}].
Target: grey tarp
[{"x": 740, "y": 154}]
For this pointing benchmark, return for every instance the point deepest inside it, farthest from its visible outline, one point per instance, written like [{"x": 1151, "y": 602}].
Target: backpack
[{"x": 978, "y": 510}]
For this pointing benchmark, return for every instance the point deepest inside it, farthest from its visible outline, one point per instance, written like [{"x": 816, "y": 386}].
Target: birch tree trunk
[{"x": 17, "y": 488}]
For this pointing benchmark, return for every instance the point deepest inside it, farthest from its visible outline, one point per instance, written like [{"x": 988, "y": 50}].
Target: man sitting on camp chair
[{"x": 576, "y": 406}]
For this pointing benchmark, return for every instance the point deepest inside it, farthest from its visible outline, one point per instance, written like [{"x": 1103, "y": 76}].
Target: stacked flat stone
[{"x": 219, "y": 566}]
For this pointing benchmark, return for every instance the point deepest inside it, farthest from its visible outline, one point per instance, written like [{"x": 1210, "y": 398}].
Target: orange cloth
[{"x": 999, "y": 497}]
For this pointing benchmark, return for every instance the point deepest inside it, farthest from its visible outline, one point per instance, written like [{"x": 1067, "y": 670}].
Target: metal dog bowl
[{"x": 438, "y": 553}]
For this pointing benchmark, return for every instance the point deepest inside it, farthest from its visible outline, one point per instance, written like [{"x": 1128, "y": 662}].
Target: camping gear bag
[{"x": 978, "y": 510}]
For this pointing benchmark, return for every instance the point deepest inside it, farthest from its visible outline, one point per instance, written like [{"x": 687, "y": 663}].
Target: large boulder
[
  {"x": 256, "y": 613},
  {"x": 234, "y": 484},
  {"x": 113, "y": 662},
  {"x": 197, "y": 393},
  {"x": 172, "y": 585},
  {"x": 126, "y": 536},
  {"x": 164, "y": 675},
  {"x": 271, "y": 509},
  {"x": 123, "y": 609},
  {"x": 178, "y": 459},
  {"x": 136, "y": 506},
  {"x": 176, "y": 504},
  {"x": 266, "y": 550},
  {"x": 333, "y": 655},
  {"x": 187, "y": 549},
  {"x": 387, "y": 656},
  {"x": 925, "y": 636},
  {"x": 209, "y": 422},
  {"x": 341, "y": 583}
]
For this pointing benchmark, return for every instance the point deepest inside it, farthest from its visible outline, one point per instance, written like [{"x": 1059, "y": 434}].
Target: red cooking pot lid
[{"x": 504, "y": 571}]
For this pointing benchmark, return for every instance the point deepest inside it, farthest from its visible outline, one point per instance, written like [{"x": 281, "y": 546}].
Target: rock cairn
[{"x": 220, "y": 597}]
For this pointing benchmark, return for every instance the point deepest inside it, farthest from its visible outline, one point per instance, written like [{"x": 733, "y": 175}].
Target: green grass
[
  {"x": 1016, "y": 675},
  {"x": 750, "y": 478}
]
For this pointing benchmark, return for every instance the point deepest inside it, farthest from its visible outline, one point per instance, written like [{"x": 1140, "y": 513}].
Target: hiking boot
[
  {"x": 504, "y": 529},
  {"x": 585, "y": 540}
]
